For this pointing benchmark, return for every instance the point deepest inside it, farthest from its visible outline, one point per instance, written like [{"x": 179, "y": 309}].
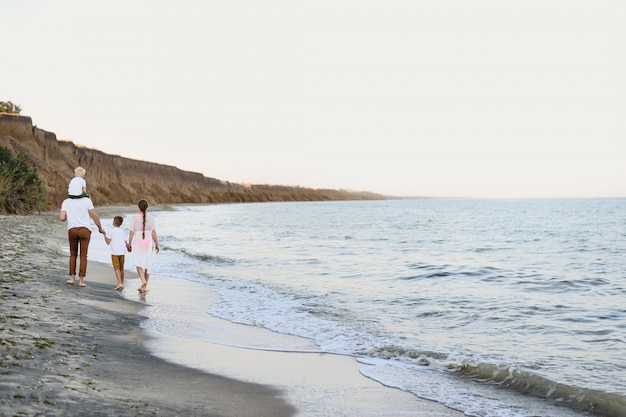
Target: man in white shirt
[{"x": 77, "y": 213}]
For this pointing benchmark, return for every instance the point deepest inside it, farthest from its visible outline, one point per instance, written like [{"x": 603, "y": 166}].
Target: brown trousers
[{"x": 79, "y": 238}]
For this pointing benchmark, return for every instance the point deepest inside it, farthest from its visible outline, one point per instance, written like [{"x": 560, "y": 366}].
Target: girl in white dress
[{"x": 144, "y": 242}]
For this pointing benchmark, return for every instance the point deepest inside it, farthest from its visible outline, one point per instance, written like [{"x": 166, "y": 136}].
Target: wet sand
[{"x": 71, "y": 351}]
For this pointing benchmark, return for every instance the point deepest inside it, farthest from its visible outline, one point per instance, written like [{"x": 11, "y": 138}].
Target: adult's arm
[{"x": 96, "y": 220}]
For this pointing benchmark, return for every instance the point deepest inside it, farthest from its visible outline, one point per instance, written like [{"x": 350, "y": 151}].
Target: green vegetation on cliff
[
  {"x": 21, "y": 189},
  {"x": 8, "y": 107}
]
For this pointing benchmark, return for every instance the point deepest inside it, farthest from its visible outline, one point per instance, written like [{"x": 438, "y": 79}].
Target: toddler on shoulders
[{"x": 78, "y": 185}]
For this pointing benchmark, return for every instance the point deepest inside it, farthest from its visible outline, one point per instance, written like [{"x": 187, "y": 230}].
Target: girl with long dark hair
[{"x": 144, "y": 242}]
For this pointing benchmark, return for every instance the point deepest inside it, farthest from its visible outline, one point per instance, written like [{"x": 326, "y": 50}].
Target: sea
[{"x": 492, "y": 307}]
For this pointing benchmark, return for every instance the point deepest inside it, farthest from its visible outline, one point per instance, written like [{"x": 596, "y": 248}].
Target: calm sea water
[{"x": 493, "y": 307}]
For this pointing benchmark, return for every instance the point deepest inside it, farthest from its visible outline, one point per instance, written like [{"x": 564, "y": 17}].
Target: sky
[{"x": 446, "y": 98}]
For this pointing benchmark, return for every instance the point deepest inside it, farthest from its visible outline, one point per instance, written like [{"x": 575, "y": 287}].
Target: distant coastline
[{"x": 116, "y": 180}]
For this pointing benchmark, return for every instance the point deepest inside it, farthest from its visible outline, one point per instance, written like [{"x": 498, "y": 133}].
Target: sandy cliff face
[{"x": 115, "y": 180}]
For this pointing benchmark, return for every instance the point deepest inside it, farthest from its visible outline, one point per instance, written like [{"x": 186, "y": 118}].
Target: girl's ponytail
[{"x": 143, "y": 206}]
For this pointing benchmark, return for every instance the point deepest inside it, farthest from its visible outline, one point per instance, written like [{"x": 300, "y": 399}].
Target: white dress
[{"x": 143, "y": 248}]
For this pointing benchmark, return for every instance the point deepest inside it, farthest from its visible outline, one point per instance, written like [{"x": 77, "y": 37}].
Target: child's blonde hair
[{"x": 80, "y": 172}]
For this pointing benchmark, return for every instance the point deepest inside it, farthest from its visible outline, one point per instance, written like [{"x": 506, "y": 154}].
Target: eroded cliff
[{"x": 115, "y": 180}]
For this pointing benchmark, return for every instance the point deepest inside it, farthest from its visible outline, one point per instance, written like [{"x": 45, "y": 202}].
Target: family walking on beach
[{"x": 77, "y": 210}]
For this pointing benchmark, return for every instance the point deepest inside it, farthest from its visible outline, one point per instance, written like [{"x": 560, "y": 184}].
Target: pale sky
[{"x": 484, "y": 98}]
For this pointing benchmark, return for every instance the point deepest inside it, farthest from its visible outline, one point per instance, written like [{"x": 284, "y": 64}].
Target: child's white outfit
[
  {"x": 76, "y": 187},
  {"x": 142, "y": 246},
  {"x": 118, "y": 241}
]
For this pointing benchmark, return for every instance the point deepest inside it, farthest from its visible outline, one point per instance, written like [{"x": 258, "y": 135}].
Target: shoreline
[
  {"x": 67, "y": 350},
  {"x": 317, "y": 383},
  {"x": 82, "y": 351}
]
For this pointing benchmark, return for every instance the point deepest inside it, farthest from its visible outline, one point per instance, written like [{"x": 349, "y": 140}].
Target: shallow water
[{"x": 494, "y": 307}]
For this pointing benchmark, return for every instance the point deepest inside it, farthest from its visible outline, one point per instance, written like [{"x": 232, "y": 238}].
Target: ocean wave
[
  {"x": 203, "y": 257},
  {"x": 509, "y": 377},
  {"x": 610, "y": 404}
]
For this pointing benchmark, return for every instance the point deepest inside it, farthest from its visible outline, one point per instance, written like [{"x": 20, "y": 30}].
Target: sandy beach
[{"x": 66, "y": 350}]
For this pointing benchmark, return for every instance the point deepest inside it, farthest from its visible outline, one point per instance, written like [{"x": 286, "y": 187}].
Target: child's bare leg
[
  {"x": 120, "y": 281},
  {"x": 144, "y": 282},
  {"x": 147, "y": 275}
]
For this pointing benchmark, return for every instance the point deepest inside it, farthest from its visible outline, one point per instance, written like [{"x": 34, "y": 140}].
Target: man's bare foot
[
  {"x": 70, "y": 282},
  {"x": 82, "y": 284}
]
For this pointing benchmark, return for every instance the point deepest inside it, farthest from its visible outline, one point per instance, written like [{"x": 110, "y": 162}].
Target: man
[{"x": 77, "y": 213}]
